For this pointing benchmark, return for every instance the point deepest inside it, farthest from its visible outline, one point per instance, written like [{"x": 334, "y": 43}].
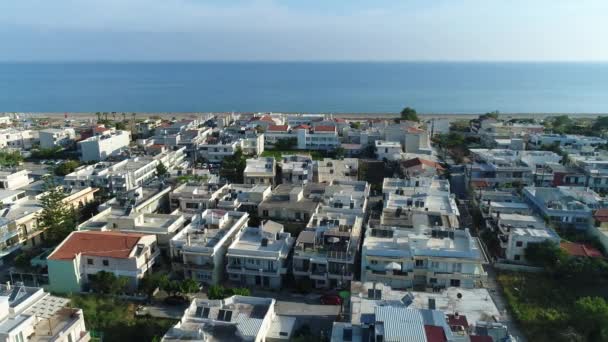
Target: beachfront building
[
  {"x": 261, "y": 170},
  {"x": 85, "y": 253},
  {"x": 325, "y": 252},
  {"x": 258, "y": 257},
  {"x": 235, "y": 318},
  {"x": 571, "y": 141},
  {"x": 320, "y": 137},
  {"x": 56, "y": 137},
  {"x": 100, "y": 147},
  {"x": 422, "y": 257},
  {"x": 200, "y": 248}
]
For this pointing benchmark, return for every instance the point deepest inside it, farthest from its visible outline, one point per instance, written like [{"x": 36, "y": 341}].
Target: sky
[{"x": 305, "y": 30}]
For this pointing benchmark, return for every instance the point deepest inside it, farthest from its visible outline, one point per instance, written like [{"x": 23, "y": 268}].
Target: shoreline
[{"x": 350, "y": 116}]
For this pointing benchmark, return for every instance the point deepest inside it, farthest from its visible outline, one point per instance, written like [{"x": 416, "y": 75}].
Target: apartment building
[
  {"x": 56, "y": 137},
  {"x": 516, "y": 232},
  {"x": 11, "y": 179},
  {"x": 147, "y": 127},
  {"x": 31, "y": 314},
  {"x": 497, "y": 168},
  {"x": 258, "y": 257},
  {"x": 235, "y": 318},
  {"x": 290, "y": 203},
  {"x": 388, "y": 150},
  {"x": 243, "y": 197},
  {"x": 100, "y": 147},
  {"x": 296, "y": 169},
  {"x": 328, "y": 170},
  {"x": 417, "y": 140},
  {"x": 565, "y": 207},
  {"x": 325, "y": 252},
  {"x": 261, "y": 170},
  {"x": 318, "y": 138},
  {"x": 574, "y": 141},
  {"x": 85, "y": 253},
  {"x": 492, "y": 202},
  {"x": 200, "y": 248},
  {"x": 346, "y": 197},
  {"x": 418, "y": 201},
  {"x": 422, "y": 257},
  {"x": 18, "y": 138},
  {"x": 595, "y": 169},
  {"x": 125, "y": 175},
  {"x": 193, "y": 198}
]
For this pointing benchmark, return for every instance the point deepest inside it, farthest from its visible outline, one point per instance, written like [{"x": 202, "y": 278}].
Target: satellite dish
[{"x": 459, "y": 295}]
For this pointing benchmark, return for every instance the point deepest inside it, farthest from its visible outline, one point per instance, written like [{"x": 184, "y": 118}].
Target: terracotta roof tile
[
  {"x": 434, "y": 333},
  {"x": 325, "y": 129},
  {"x": 580, "y": 250},
  {"x": 108, "y": 244},
  {"x": 601, "y": 215},
  {"x": 419, "y": 161},
  {"x": 278, "y": 128}
]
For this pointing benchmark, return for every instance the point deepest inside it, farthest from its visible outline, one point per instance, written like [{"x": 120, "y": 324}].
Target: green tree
[
  {"x": 490, "y": 115},
  {"x": 339, "y": 152},
  {"x": 409, "y": 114},
  {"x": 546, "y": 254},
  {"x": 233, "y": 167},
  {"x": 66, "y": 167},
  {"x": 57, "y": 218},
  {"x": 161, "y": 170},
  {"x": 591, "y": 317},
  {"x": 108, "y": 283},
  {"x": 120, "y": 125},
  {"x": 189, "y": 286},
  {"x": 151, "y": 281},
  {"x": 10, "y": 159},
  {"x": 285, "y": 144}
]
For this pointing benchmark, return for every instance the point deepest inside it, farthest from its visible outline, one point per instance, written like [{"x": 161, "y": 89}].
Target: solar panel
[
  {"x": 199, "y": 311},
  {"x": 347, "y": 335},
  {"x": 205, "y": 313},
  {"x": 228, "y": 316}
]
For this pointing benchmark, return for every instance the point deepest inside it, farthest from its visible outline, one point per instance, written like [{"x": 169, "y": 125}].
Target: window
[
  {"x": 517, "y": 257},
  {"x": 192, "y": 205},
  {"x": 374, "y": 262},
  {"x": 419, "y": 263},
  {"x": 435, "y": 264},
  {"x": 455, "y": 282},
  {"x": 519, "y": 243},
  {"x": 106, "y": 262},
  {"x": 264, "y": 212},
  {"x": 433, "y": 280},
  {"x": 89, "y": 261},
  {"x": 374, "y": 294},
  {"x": 457, "y": 267}
]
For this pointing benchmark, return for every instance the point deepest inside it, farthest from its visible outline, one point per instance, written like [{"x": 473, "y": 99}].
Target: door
[{"x": 258, "y": 280}]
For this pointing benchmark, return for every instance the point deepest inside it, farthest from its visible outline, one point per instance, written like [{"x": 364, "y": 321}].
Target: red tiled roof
[
  {"x": 99, "y": 129},
  {"x": 339, "y": 120},
  {"x": 420, "y": 161},
  {"x": 481, "y": 338},
  {"x": 302, "y": 126},
  {"x": 480, "y": 184},
  {"x": 580, "y": 250},
  {"x": 278, "y": 128},
  {"x": 266, "y": 118},
  {"x": 460, "y": 320},
  {"x": 601, "y": 215},
  {"x": 414, "y": 130},
  {"x": 325, "y": 128},
  {"x": 108, "y": 244},
  {"x": 434, "y": 333}
]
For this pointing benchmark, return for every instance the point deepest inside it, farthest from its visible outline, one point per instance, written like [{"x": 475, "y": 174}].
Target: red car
[{"x": 331, "y": 300}]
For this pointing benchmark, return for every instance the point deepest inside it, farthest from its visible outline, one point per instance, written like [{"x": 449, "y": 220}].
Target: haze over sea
[{"x": 330, "y": 87}]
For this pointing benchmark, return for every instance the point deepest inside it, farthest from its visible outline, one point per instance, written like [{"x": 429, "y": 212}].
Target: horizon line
[{"x": 302, "y": 61}]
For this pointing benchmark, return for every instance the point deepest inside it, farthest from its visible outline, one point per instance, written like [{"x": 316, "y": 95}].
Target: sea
[{"x": 312, "y": 87}]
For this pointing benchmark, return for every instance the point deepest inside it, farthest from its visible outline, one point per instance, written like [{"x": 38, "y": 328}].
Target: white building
[
  {"x": 236, "y": 318},
  {"x": 318, "y": 138},
  {"x": 243, "y": 197},
  {"x": 258, "y": 257},
  {"x": 14, "y": 179},
  {"x": 53, "y": 137},
  {"x": 296, "y": 169},
  {"x": 325, "y": 252},
  {"x": 261, "y": 170},
  {"x": 427, "y": 258},
  {"x": 30, "y": 314},
  {"x": 346, "y": 197},
  {"x": 83, "y": 254},
  {"x": 110, "y": 143},
  {"x": 327, "y": 170},
  {"x": 388, "y": 150},
  {"x": 201, "y": 247},
  {"x": 195, "y": 198},
  {"x": 18, "y": 138}
]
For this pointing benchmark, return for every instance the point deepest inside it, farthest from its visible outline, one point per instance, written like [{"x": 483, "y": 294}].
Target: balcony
[
  {"x": 239, "y": 269},
  {"x": 204, "y": 267}
]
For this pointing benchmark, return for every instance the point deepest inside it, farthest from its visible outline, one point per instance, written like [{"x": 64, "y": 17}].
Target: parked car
[{"x": 331, "y": 299}]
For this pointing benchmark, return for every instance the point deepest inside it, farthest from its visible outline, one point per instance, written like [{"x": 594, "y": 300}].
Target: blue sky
[{"x": 149, "y": 30}]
